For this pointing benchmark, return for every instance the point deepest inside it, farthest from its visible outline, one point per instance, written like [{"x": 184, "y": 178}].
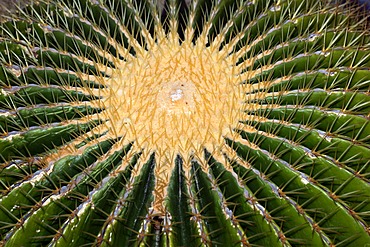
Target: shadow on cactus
[{"x": 186, "y": 123}]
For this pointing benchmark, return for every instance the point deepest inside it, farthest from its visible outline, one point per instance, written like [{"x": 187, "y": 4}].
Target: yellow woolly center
[{"x": 175, "y": 98}]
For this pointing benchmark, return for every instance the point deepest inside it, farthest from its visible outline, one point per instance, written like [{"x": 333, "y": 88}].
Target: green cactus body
[{"x": 184, "y": 123}]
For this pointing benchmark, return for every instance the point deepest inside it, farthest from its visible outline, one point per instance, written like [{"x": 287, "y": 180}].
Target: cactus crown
[{"x": 184, "y": 123}]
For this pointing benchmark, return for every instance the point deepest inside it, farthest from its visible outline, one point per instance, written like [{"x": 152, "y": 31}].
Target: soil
[{"x": 10, "y": 5}]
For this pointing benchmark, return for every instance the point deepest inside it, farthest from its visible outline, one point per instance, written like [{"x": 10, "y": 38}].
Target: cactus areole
[{"x": 185, "y": 123}]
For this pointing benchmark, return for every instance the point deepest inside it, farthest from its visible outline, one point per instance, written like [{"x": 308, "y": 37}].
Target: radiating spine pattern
[{"x": 185, "y": 123}]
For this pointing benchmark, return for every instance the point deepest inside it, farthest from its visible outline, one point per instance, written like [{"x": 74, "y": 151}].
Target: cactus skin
[{"x": 292, "y": 170}]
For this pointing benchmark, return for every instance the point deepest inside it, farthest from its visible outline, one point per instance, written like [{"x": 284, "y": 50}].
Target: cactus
[{"x": 185, "y": 123}]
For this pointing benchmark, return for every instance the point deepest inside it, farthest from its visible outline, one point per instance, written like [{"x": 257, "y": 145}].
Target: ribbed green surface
[{"x": 301, "y": 179}]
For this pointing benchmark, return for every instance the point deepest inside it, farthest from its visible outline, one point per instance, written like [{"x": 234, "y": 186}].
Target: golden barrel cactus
[{"x": 185, "y": 123}]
